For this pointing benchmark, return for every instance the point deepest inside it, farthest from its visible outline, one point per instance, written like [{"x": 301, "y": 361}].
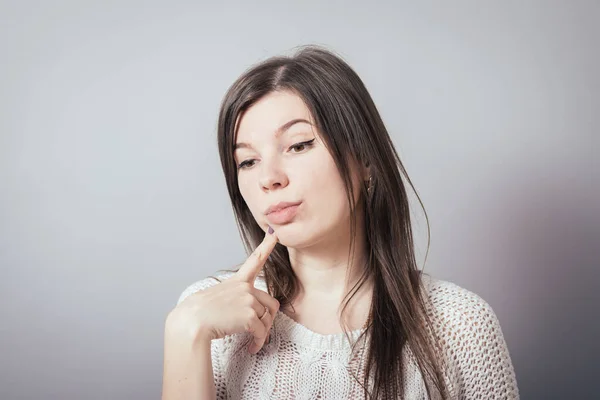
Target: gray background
[{"x": 112, "y": 200}]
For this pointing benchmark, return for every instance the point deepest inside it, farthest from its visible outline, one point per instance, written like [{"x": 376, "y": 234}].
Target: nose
[{"x": 272, "y": 176}]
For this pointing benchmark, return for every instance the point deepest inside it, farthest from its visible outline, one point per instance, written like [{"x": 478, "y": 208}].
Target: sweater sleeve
[
  {"x": 478, "y": 357},
  {"x": 217, "y": 346}
]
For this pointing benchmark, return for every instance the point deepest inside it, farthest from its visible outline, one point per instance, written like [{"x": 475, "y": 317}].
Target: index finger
[{"x": 250, "y": 269}]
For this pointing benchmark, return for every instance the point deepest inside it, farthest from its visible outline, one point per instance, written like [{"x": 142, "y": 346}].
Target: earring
[{"x": 370, "y": 185}]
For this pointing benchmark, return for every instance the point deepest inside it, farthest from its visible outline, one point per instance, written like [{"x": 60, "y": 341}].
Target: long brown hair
[{"x": 353, "y": 131}]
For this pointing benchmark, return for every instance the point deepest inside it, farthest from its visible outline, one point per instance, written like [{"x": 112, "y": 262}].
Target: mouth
[{"x": 282, "y": 213}]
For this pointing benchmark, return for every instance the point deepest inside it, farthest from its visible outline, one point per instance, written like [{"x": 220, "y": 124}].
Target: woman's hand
[{"x": 232, "y": 306}]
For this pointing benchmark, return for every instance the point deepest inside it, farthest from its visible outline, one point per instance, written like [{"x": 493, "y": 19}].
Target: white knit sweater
[{"x": 301, "y": 364}]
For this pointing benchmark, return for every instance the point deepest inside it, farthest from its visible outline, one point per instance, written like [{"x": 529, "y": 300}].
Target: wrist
[{"x": 177, "y": 327}]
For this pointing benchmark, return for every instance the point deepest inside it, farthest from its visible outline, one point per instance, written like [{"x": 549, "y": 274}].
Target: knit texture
[{"x": 301, "y": 364}]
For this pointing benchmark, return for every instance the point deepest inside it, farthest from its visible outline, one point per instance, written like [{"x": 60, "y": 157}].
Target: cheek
[
  {"x": 326, "y": 184},
  {"x": 328, "y": 191},
  {"x": 249, "y": 195}
]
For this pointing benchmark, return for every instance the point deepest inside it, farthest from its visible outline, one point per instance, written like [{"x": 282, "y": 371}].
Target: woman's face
[{"x": 281, "y": 158}]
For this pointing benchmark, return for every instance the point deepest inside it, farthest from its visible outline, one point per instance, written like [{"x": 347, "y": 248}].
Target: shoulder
[
  {"x": 472, "y": 340},
  {"x": 213, "y": 280},
  {"x": 457, "y": 312},
  {"x": 452, "y": 302}
]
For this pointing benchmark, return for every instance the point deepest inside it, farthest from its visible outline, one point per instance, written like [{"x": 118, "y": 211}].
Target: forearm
[{"x": 188, "y": 370}]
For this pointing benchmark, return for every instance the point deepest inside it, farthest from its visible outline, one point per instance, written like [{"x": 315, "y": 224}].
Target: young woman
[{"x": 330, "y": 304}]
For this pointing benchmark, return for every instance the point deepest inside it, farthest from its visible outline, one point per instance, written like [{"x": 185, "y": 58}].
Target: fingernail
[{"x": 271, "y": 230}]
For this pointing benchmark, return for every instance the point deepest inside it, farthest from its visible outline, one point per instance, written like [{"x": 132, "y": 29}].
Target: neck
[
  {"x": 327, "y": 271},
  {"x": 328, "y": 267}
]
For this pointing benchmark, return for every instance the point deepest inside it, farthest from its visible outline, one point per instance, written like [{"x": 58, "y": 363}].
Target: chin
[
  {"x": 289, "y": 235},
  {"x": 296, "y": 235}
]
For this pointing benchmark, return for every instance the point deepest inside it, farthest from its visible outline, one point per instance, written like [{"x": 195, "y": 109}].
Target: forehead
[{"x": 271, "y": 112}]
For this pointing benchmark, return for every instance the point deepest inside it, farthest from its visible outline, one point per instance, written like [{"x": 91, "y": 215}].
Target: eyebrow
[{"x": 278, "y": 132}]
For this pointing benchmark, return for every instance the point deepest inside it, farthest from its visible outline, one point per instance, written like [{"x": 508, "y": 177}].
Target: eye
[
  {"x": 246, "y": 164},
  {"x": 301, "y": 146}
]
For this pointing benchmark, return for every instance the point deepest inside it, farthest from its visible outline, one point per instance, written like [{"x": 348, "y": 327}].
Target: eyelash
[{"x": 307, "y": 144}]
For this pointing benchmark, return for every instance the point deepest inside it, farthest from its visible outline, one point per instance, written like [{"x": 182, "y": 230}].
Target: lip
[
  {"x": 281, "y": 206},
  {"x": 282, "y": 213}
]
